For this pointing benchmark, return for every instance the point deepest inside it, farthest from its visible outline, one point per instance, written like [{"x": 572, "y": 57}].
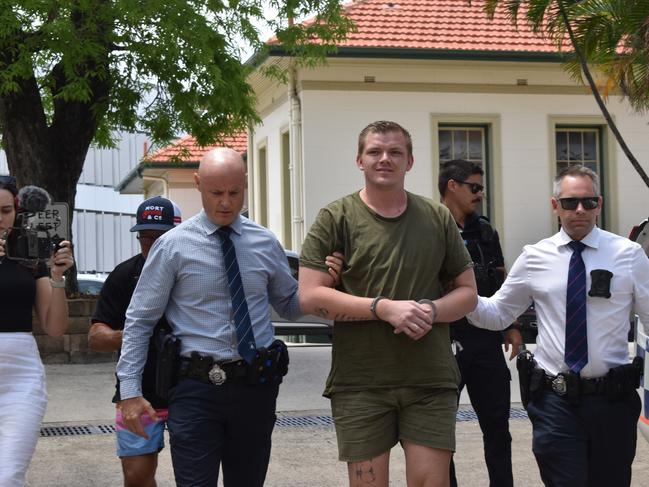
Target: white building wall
[
  {"x": 269, "y": 134},
  {"x": 188, "y": 199},
  {"x": 102, "y": 217},
  {"x": 333, "y": 120},
  {"x": 632, "y": 194},
  {"x": 524, "y": 98}
]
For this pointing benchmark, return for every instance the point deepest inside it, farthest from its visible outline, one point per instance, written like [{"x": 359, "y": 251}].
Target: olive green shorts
[{"x": 369, "y": 423}]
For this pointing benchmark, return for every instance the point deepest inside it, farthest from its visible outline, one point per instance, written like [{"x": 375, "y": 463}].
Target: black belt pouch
[
  {"x": 168, "y": 348},
  {"x": 270, "y": 364},
  {"x": 624, "y": 379},
  {"x": 530, "y": 377}
]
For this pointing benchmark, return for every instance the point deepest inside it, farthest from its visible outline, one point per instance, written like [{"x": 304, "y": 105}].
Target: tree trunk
[
  {"x": 51, "y": 154},
  {"x": 50, "y": 157}
]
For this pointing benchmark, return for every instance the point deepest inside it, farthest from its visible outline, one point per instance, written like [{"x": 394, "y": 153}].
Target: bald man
[{"x": 214, "y": 277}]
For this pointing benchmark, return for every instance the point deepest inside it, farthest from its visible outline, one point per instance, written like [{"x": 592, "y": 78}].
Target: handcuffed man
[{"x": 393, "y": 376}]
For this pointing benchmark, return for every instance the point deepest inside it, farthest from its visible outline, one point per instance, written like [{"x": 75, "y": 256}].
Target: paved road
[
  {"x": 302, "y": 456},
  {"x": 82, "y": 392}
]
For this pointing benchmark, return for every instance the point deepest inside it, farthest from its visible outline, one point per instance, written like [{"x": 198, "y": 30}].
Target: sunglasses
[
  {"x": 149, "y": 237},
  {"x": 8, "y": 180},
  {"x": 589, "y": 203},
  {"x": 474, "y": 187}
]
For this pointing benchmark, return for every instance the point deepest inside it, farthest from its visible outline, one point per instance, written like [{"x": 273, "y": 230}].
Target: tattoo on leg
[{"x": 364, "y": 473}]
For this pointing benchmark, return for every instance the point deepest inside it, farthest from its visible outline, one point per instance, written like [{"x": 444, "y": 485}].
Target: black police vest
[{"x": 480, "y": 240}]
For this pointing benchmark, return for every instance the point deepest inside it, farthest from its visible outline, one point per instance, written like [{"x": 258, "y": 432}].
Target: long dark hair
[{"x": 13, "y": 189}]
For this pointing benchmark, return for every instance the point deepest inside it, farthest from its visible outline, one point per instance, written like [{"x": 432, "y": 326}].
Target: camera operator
[{"x": 23, "y": 397}]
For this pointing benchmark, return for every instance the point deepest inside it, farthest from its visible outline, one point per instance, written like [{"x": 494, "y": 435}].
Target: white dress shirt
[{"x": 540, "y": 275}]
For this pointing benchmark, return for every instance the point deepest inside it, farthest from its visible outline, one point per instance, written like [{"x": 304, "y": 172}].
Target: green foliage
[
  {"x": 166, "y": 66},
  {"x": 612, "y": 35}
]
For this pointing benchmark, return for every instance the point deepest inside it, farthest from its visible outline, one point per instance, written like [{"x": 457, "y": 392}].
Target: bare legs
[{"x": 425, "y": 467}]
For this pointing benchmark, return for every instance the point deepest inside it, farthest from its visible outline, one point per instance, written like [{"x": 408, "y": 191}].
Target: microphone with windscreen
[
  {"x": 29, "y": 240},
  {"x": 33, "y": 199}
]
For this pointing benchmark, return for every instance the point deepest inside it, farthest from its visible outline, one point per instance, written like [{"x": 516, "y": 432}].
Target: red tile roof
[
  {"x": 438, "y": 25},
  {"x": 186, "y": 150}
]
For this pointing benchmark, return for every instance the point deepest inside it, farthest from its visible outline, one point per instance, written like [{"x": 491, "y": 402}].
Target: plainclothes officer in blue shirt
[
  {"x": 139, "y": 456},
  {"x": 479, "y": 352},
  {"x": 585, "y": 283},
  {"x": 214, "y": 277}
]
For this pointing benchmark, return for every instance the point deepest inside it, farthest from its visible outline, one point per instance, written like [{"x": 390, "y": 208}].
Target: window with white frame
[
  {"x": 468, "y": 142},
  {"x": 578, "y": 145}
]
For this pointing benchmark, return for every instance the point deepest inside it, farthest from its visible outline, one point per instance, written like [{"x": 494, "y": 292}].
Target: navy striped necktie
[
  {"x": 576, "y": 350},
  {"x": 245, "y": 338}
]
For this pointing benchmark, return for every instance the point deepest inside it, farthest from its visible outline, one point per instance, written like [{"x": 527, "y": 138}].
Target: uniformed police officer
[
  {"x": 479, "y": 352},
  {"x": 585, "y": 283}
]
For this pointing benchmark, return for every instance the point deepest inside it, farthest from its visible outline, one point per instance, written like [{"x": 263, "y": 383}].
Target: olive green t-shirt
[{"x": 400, "y": 258}]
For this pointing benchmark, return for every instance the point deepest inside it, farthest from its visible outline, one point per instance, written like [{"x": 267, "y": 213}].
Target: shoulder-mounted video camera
[{"x": 39, "y": 228}]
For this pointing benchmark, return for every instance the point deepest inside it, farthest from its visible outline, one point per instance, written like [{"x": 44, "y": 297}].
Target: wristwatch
[{"x": 58, "y": 284}]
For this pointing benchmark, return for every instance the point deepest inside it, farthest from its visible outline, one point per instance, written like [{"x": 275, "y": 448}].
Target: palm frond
[{"x": 613, "y": 35}]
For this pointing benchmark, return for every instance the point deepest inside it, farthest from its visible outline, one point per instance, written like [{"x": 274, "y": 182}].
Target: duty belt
[
  {"x": 212, "y": 372},
  {"x": 559, "y": 385}
]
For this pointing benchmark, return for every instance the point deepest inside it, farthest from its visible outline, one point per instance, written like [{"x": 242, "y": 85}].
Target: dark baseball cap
[
  {"x": 156, "y": 213},
  {"x": 8, "y": 180}
]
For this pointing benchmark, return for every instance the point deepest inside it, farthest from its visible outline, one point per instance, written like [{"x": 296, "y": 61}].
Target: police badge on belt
[{"x": 216, "y": 375}]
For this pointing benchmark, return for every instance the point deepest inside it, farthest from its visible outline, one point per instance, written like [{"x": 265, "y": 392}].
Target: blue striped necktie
[
  {"x": 245, "y": 338},
  {"x": 576, "y": 351}
]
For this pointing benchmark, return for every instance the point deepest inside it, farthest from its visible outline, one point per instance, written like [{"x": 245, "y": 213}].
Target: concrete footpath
[{"x": 304, "y": 443}]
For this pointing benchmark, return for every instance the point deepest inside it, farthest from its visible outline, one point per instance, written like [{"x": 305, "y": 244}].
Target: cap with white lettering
[{"x": 156, "y": 213}]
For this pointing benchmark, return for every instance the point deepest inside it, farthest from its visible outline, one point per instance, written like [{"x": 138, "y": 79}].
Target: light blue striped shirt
[{"x": 184, "y": 278}]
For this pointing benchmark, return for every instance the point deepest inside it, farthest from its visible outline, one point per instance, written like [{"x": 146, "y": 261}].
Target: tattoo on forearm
[
  {"x": 364, "y": 473},
  {"x": 324, "y": 313},
  {"x": 344, "y": 317}
]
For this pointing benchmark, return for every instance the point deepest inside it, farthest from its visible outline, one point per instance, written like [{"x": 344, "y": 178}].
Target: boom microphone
[{"x": 33, "y": 199}]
